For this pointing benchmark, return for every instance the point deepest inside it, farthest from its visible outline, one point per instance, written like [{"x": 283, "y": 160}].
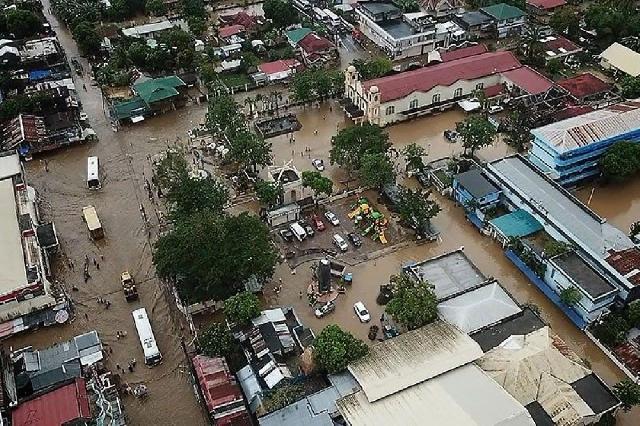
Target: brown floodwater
[
  {"x": 619, "y": 203},
  {"x": 124, "y": 164}
]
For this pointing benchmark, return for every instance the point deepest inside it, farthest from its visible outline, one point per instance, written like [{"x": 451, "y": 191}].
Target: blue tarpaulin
[
  {"x": 39, "y": 75},
  {"x": 519, "y": 223}
]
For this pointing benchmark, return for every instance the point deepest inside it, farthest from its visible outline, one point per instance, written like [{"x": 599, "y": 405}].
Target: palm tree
[{"x": 531, "y": 47}]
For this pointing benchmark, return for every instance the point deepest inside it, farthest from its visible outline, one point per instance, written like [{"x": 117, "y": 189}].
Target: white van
[
  {"x": 298, "y": 231},
  {"x": 93, "y": 173},
  {"x": 340, "y": 242}
]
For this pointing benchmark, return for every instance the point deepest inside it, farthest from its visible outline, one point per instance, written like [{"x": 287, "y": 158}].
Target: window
[
  {"x": 435, "y": 98},
  {"x": 413, "y": 104},
  {"x": 390, "y": 110},
  {"x": 458, "y": 92},
  {"x": 479, "y": 86}
]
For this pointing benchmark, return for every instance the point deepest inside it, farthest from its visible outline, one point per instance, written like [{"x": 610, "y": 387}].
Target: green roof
[
  {"x": 158, "y": 89},
  {"x": 519, "y": 223},
  {"x": 130, "y": 108},
  {"x": 298, "y": 34},
  {"x": 502, "y": 11}
]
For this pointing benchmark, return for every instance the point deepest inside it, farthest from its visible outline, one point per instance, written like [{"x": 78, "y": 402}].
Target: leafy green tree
[
  {"x": 350, "y": 145},
  {"x": 242, "y": 307},
  {"x": 302, "y": 87},
  {"x": 554, "y": 66},
  {"x": 269, "y": 193},
  {"x": 630, "y": 87},
  {"x": 633, "y": 313},
  {"x": 376, "y": 170},
  {"x": 322, "y": 83},
  {"x": 137, "y": 54},
  {"x": 476, "y": 132},
  {"x": 628, "y": 393},
  {"x": 612, "y": 329},
  {"x": 283, "y": 395},
  {"x": 318, "y": 183},
  {"x": 193, "y": 8},
  {"x": 87, "y": 38},
  {"x": 155, "y": 7},
  {"x": 554, "y": 248},
  {"x": 248, "y": 150},
  {"x": 517, "y": 129},
  {"x": 570, "y": 296},
  {"x": 621, "y": 161},
  {"x": 531, "y": 47},
  {"x": 612, "y": 20},
  {"x": 223, "y": 116},
  {"x": 417, "y": 209},
  {"x": 414, "y": 303},
  {"x": 22, "y": 23},
  {"x": 211, "y": 255},
  {"x": 334, "y": 349},
  {"x": 408, "y": 6},
  {"x": 281, "y": 13},
  {"x": 565, "y": 20},
  {"x": 249, "y": 60},
  {"x": 373, "y": 68},
  {"x": 215, "y": 340},
  {"x": 413, "y": 154}
]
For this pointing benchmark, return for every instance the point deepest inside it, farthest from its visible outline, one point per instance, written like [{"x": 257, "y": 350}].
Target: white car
[
  {"x": 340, "y": 243},
  {"x": 494, "y": 109},
  {"x": 83, "y": 116},
  {"x": 318, "y": 164},
  {"x": 361, "y": 312},
  {"x": 332, "y": 218}
]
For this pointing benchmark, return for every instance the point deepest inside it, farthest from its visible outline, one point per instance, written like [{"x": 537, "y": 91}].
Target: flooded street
[
  {"x": 127, "y": 244},
  {"x": 620, "y": 203}
]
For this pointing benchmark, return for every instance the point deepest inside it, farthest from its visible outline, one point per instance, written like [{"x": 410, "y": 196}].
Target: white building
[
  {"x": 148, "y": 31},
  {"x": 403, "y": 35},
  {"x": 410, "y": 94}
]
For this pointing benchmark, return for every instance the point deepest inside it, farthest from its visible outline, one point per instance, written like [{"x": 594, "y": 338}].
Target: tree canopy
[
  {"x": 316, "y": 83},
  {"x": 476, "y": 132},
  {"x": 373, "y": 68},
  {"x": 210, "y": 255},
  {"x": 517, "y": 131},
  {"x": 269, "y": 193},
  {"x": 565, "y": 20},
  {"x": 87, "y": 38},
  {"x": 281, "y": 13},
  {"x": 612, "y": 20},
  {"x": 628, "y": 393},
  {"x": 621, "y": 161},
  {"x": 334, "y": 349},
  {"x": 570, "y": 296},
  {"x": 241, "y": 308},
  {"x": 351, "y": 144},
  {"x": 413, "y": 154},
  {"x": 21, "y": 23},
  {"x": 376, "y": 170},
  {"x": 630, "y": 86},
  {"x": 155, "y": 7},
  {"x": 416, "y": 209},
  {"x": 318, "y": 183},
  {"x": 215, "y": 340},
  {"x": 414, "y": 303}
]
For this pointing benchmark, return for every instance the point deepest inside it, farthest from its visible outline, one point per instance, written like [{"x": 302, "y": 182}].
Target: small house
[
  {"x": 508, "y": 21},
  {"x": 472, "y": 188}
]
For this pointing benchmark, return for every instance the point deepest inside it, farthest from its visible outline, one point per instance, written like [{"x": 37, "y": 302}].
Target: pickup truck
[{"x": 128, "y": 286}]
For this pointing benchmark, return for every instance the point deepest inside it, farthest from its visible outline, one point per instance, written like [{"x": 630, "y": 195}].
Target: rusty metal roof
[{"x": 577, "y": 132}]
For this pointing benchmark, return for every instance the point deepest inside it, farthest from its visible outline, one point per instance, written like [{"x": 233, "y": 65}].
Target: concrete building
[
  {"x": 542, "y": 9},
  {"x": 442, "y": 8},
  {"x": 475, "y": 23},
  {"x": 568, "y": 151},
  {"x": 403, "y": 35},
  {"x": 619, "y": 58},
  {"x": 474, "y": 191},
  {"x": 559, "y": 48},
  {"x": 149, "y": 31},
  {"x": 507, "y": 20},
  {"x": 439, "y": 87},
  {"x": 587, "y": 89}
]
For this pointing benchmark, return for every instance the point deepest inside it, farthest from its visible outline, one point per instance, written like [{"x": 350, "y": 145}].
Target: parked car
[
  {"x": 422, "y": 178},
  {"x": 308, "y": 229},
  {"x": 355, "y": 239},
  {"x": 361, "y": 312},
  {"x": 325, "y": 309},
  {"x": 318, "y": 164},
  {"x": 286, "y": 235},
  {"x": 318, "y": 223},
  {"x": 340, "y": 242},
  {"x": 494, "y": 109},
  {"x": 332, "y": 218}
]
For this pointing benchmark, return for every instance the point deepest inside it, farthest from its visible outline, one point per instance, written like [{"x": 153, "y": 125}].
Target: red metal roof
[
  {"x": 584, "y": 85},
  {"x": 546, "y": 4},
  {"x": 240, "y": 18},
  {"x": 230, "y": 30},
  {"x": 561, "y": 46},
  {"x": 571, "y": 111},
  {"x": 465, "y": 52},
  {"x": 494, "y": 90},
  {"x": 278, "y": 66},
  {"x": 627, "y": 262},
  {"x": 65, "y": 404},
  {"x": 444, "y": 74},
  {"x": 219, "y": 387},
  {"x": 529, "y": 80},
  {"x": 313, "y": 43}
]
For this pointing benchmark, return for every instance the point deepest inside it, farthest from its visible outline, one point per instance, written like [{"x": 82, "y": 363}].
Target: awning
[
  {"x": 137, "y": 119},
  {"x": 469, "y": 105}
]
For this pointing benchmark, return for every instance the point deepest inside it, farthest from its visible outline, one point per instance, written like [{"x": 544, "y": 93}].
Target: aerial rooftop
[{"x": 584, "y": 274}]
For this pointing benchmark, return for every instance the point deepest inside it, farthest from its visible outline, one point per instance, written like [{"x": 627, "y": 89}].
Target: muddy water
[{"x": 620, "y": 204}]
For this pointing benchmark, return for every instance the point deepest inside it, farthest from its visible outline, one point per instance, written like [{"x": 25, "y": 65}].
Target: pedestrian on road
[
  {"x": 97, "y": 266},
  {"x": 94, "y": 261},
  {"x": 84, "y": 86},
  {"x": 300, "y": 294}
]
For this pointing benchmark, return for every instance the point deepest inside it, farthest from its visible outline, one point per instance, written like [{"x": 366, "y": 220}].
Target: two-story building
[
  {"x": 542, "y": 9},
  {"x": 442, "y": 8},
  {"x": 403, "y": 35},
  {"x": 508, "y": 21},
  {"x": 568, "y": 151}
]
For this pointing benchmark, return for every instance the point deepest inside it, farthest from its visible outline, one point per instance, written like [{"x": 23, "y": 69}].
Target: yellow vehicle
[
  {"x": 90, "y": 217},
  {"x": 128, "y": 286}
]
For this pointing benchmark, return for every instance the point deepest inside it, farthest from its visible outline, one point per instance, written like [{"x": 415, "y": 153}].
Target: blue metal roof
[{"x": 519, "y": 223}]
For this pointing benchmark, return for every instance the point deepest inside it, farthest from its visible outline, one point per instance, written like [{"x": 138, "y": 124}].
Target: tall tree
[
  {"x": 215, "y": 340},
  {"x": 630, "y": 86},
  {"x": 242, "y": 307},
  {"x": 621, "y": 161},
  {"x": 248, "y": 150},
  {"x": 269, "y": 193},
  {"x": 414, "y": 303},
  {"x": 570, "y": 296},
  {"x": 373, "y": 68},
  {"x": 318, "y": 183},
  {"x": 518, "y": 126},
  {"x": 565, "y": 20},
  {"x": 155, "y": 7},
  {"x": 334, "y": 349},
  {"x": 350, "y": 145},
  {"x": 413, "y": 154},
  {"x": 416, "y": 209},
  {"x": 87, "y": 38},
  {"x": 22, "y": 23},
  {"x": 223, "y": 115},
  {"x": 376, "y": 170},
  {"x": 281, "y": 13},
  {"x": 476, "y": 132},
  {"x": 628, "y": 393}
]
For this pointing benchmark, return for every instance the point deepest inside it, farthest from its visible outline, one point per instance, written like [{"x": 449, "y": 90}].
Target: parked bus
[
  {"x": 90, "y": 217},
  {"x": 333, "y": 19},
  {"x": 319, "y": 14},
  {"x": 93, "y": 173},
  {"x": 152, "y": 355}
]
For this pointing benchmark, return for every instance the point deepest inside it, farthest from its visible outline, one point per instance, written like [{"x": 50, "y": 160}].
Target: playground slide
[{"x": 382, "y": 237}]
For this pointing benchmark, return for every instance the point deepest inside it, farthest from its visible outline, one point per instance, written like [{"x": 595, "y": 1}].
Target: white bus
[
  {"x": 333, "y": 19},
  {"x": 152, "y": 355},
  {"x": 93, "y": 173},
  {"x": 319, "y": 14}
]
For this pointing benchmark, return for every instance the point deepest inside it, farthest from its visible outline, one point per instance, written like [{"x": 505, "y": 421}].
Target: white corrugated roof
[
  {"x": 465, "y": 396},
  {"x": 622, "y": 58},
  {"x": 478, "y": 308},
  {"x": 13, "y": 274},
  {"x": 583, "y": 130},
  {"x": 412, "y": 358},
  {"x": 9, "y": 166}
]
